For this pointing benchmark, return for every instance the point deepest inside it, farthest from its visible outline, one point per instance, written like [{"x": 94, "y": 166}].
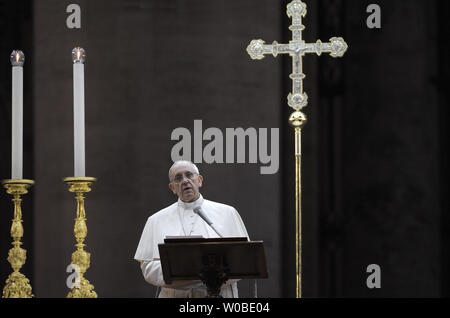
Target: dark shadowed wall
[
  {"x": 388, "y": 188},
  {"x": 375, "y": 152},
  {"x": 152, "y": 66}
]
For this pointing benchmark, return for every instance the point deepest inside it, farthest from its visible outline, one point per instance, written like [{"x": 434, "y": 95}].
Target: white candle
[
  {"x": 17, "y": 60},
  {"x": 78, "y": 57}
]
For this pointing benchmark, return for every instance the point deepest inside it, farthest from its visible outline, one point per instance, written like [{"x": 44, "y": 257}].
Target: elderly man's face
[{"x": 185, "y": 182}]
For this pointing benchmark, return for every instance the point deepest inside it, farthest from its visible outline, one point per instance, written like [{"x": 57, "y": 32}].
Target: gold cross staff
[{"x": 297, "y": 99}]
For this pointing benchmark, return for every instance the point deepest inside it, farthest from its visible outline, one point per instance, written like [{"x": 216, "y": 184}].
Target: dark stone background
[{"x": 375, "y": 175}]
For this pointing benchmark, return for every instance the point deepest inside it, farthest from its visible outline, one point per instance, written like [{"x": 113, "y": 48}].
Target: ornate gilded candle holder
[
  {"x": 17, "y": 285},
  {"x": 81, "y": 258}
]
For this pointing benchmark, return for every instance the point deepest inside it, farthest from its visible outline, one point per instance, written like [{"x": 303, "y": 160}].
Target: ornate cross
[{"x": 297, "y": 98}]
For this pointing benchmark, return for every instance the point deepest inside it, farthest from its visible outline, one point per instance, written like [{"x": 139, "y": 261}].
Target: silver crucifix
[
  {"x": 297, "y": 99},
  {"x": 297, "y": 48}
]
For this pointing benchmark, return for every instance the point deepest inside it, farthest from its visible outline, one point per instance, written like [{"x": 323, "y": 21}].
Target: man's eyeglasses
[{"x": 180, "y": 177}]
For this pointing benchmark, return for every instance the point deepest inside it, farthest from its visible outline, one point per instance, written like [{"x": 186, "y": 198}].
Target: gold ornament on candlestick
[
  {"x": 17, "y": 285},
  {"x": 81, "y": 258},
  {"x": 297, "y": 99}
]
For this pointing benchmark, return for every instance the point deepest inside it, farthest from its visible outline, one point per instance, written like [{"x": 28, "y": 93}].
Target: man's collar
[{"x": 190, "y": 205}]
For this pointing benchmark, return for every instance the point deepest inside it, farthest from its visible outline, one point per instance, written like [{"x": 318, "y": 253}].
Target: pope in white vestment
[{"x": 179, "y": 219}]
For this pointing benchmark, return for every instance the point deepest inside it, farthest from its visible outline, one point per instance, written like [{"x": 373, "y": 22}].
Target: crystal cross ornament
[{"x": 297, "y": 48}]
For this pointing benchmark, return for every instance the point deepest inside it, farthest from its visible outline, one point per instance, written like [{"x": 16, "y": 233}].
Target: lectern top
[
  {"x": 201, "y": 239},
  {"x": 185, "y": 258}
]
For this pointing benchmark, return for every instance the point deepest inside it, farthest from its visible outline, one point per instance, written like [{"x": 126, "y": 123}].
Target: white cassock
[{"x": 179, "y": 219}]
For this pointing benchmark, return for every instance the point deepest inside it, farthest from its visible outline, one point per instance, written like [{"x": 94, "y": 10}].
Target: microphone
[{"x": 202, "y": 214}]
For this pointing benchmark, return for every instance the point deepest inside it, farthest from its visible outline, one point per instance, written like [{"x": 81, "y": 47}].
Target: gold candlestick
[
  {"x": 81, "y": 258},
  {"x": 17, "y": 285}
]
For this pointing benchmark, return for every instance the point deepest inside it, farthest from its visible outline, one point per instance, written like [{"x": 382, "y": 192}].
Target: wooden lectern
[{"x": 212, "y": 260}]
